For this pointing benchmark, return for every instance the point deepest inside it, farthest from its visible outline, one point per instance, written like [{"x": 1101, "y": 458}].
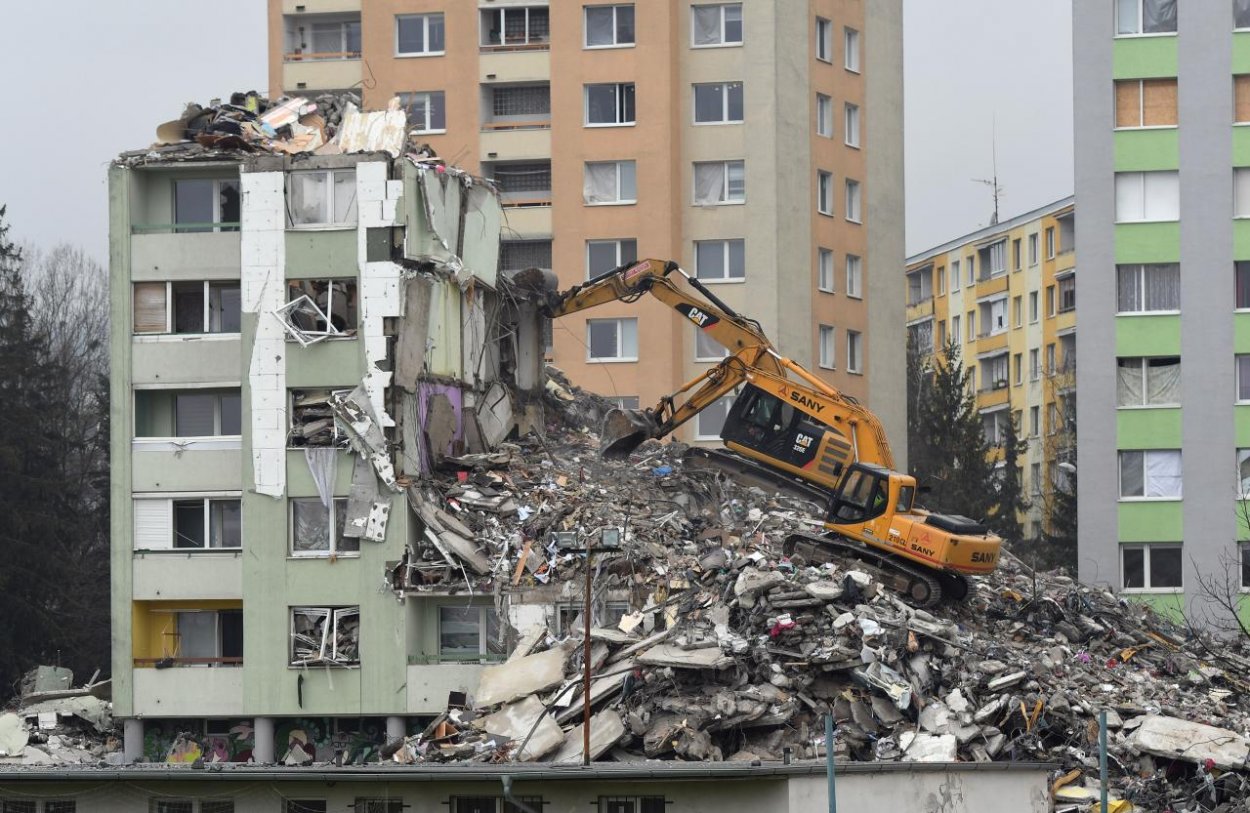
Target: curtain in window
[
  {"x": 308, "y": 197},
  {"x": 1241, "y": 278},
  {"x": 1126, "y": 16},
  {"x": 601, "y": 104},
  {"x": 709, "y": 184},
  {"x": 599, "y": 25},
  {"x": 1243, "y": 472},
  {"x": 1163, "y": 381},
  {"x": 1132, "y": 476},
  {"x": 1163, "y": 474},
  {"x": 1163, "y": 287},
  {"x": 1241, "y": 13},
  {"x": 1158, "y": 16},
  {"x": 599, "y": 183},
  {"x": 1128, "y": 288},
  {"x": 706, "y": 25}
]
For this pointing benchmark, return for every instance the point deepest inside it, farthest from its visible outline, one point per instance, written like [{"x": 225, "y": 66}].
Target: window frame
[
  {"x": 1145, "y": 548},
  {"x": 824, "y": 192},
  {"x": 850, "y": 117},
  {"x": 1140, "y": 285},
  {"x": 854, "y": 276},
  {"x": 1144, "y": 365},
  {"x": 823, "y": 30},
  {"x": 726, "y": 189},
  {"x": 329, "y": 640},
  {"x": 619, "y": 244},
  {"x": 1065, "y": 287},
  {"x": 617, "y": 165},
  {"x": 620, "y": 321},
  {"x": 531, "y": 41},
  {"x": 616, "y": 32},
  {"x": 640, "y": 804},
  {"x": 483, "y": 654},
  {"x": 724, "y": 42},
  {"x": 333, "y": 547},
  {"x": 850, "y": 49},
  {"x": 407, "y": 101},
  {"x": 1237, "y": 383},
  {"x": 1139, "y": 32},
  {"x": 726, "y": 254},
  {"x": 206, "y": 321},
  {"x": 726, "y": 89},
  {"x": 217, "y": 225},
  {"x": 854, "y": 352},
  {"x": 206, "y": 506},
  {"x": 827, "y": 347},
  {"x": 824, "y": 115},
  {"x": 328, "y": 209},
  {"x": 1144, "y": 497},
  {"x": 854, "y": 201},
  {"x": 1141, "y": 178},
  {"x": 621, "y": 105},
  {"x": 1141, "y": 104},
  {"x": 824, "y": 270},
  {"x": 425, "y": 35}
]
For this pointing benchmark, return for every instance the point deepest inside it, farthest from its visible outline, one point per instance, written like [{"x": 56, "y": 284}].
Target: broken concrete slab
[
  {"x": 928, "y": 747},
  {"x": 524, "y": 719},
  {"x": 678, "y": 658},
  {"x": 606, "y": 730},
  {"x": 524, "y": 676},
  {"x": 1191, "y": 742},
  {"x": 13, "y": 735},
  {"x": 92, "y": 710}
]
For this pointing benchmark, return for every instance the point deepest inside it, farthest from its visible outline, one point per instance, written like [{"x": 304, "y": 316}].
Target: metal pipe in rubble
[
  {"x": 829, "y": 772},
  {"x": 586, "y": 659},
  {"x": 1102, "y": 760}
]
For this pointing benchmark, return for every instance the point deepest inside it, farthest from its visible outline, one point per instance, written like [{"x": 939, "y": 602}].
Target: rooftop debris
[{"x": 52, "y": 723}]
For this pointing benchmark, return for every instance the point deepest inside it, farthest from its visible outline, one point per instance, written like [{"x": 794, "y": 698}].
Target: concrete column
[
  {"x": 262, "y": 747},
  {"x": 396, "y": 728},
  {"x": 132, "y": 740}
]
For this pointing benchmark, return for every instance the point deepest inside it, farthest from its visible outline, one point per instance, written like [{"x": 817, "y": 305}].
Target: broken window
[
  {"x": 327, "y": 636},
  {"x": 321, "y": 197},
  {"x": 207, "y": 523},
  {"x": 631, "y": 804},
  {"x": 186, "y": 307},
  {"x": 469, "y": 633},
  {"x": 609, "y": 26},
  {"x": 320, "y": 309},
  {"x": 603, "y": 256},
  {"x": 187, "y": 413},
  {"x": 604, "y": 615},
  {"x": 608, "y": 182},
  {"x": 312, "y": 420},
  {"x": 317, "y": 530},
  {"x": 427, "y": 111},
  {"x": 206, "y": 204},
  {"x": 609, "y": 105},
  {"x": 493, "y": 804},
  {"x": 417, "y": 34},
  {"x": 719, "y": 182},
  {"x": 209, "y": 637},
  {"x": 515, "y": 27}
]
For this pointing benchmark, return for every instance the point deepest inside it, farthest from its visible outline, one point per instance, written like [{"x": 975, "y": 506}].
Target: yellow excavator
[{"x": 790, "y": 428}]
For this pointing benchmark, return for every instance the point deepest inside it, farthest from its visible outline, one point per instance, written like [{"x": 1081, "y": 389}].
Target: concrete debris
[
  {"x": 524, "y": 676},
  {"x": 53, "y": 723}
]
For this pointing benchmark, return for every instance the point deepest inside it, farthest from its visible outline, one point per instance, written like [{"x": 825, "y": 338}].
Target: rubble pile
[
  {"x": 52, "y": 723},
  {"x": 731, "y": 650}
]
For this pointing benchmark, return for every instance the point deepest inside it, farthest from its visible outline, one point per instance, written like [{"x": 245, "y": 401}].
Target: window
[
  {"x": 1067, "y": 294},
  {"x": 850, "y": 44},
  {"x": 971, "y": 263},
  {"x": 854, "y": 351},
  {"x": 711, "y": 421},
  {"x": 824, "y": 269},
  {"x": 610, "y": 105},
  {"x": 1243, "y": 378},
  {"x": 520, "y": 107},
  {"x": 1035, "y": 478},
  {"x": 972, "y": 325},
  {"x": 1145, "y": 103},
  {"x": 853, "y": 213},
  {"x": 305, "y": 806},
  {"x": 718, "y": 182},
  {"x": 1241, "y": 282},
  {"x": 718, "y": 103},
  {"x": 209, "y": 637},
  {"x": 204, "y": 204},
  {"x": 609, "y": 26},
  {"x": 1050, "y": 243},
  {"x": 334, "y": 39},
  {"x": 1032, "y": 249},
  {"x": 919, "y": 286},
  {"x": 603, "y": 256},
  {"x": 851, "y": 115},
  {"x": 1151, "y": 567},
  {"x": 1050, "y": 301},
  {"x": 824, "y": 40},
  {"x": 1154, "y": 473},
  {"x": 993, "y": 316},
  {"x": 325, "y": 636},
  {"x": 1050, "y": 359},
  {"x": 612, "y": 339},
  {"x": 515, "y": 27},
  {"x": 609, "y": 182},
  {"x": 1018, "y": 360},
  {"x": 1143, "y": 197},
  {"x": 824, "y": 192},
  {"x": 1241, "y": 14},
  {"x": 186, "y": 307},
  {"x": 1148, "y": 381},
  {"x": 427, "y": 111},
  {"x": 827, "y": 349},
  {"x": 955, "y": 328},
  {"x": 469, "y": 633},
  {"x": 199, "y": 523},
  {"x": 312, "y": 421},
  {"x": 1243, "y": 474},
  {"x": 493, "y": 804},
  {"x": 419, "y": 34},
  {"x": 1145, "y": 17},
  {"x": 318, "y": 530},
  {"x": 716, "y": 24},
  {"x": 1148, "y": 288},
  {"x": 319, "y": 309},
  {"x": 955, "y": 272},
  {"x": 522, "y": 183},
  {"x": 994, "y": 261},
  {"x": 1035, "y": 365},
  {"x": 994, "y": 372},
  {"x": 941, "y": 281},
  {"x": 994, "y": 424},
  {"x": 631, "y": 804},
  {"x": 1033, "y": 306},
  {"x": 570, "y": 617},
  {"x": 517, "y": 255},
  {"x": 321, "y": 197},
  {"x": 920, "y": 336},
  {"x": 720, "y": 260},
  {"x": 1241, "y": 98},
  {"x": 1241, "y": 192},
  {"x": 1017, "y": 311},
  {"x": 188, "y": 413},
  {"x": 1035, "y": 414},
  {"x": 824, "y": 115},
  {"x": 166, "y": 806},
  {"x": 854, "y": 276},
  {"x": 1015, "y": 254},
  {"x": 708, "y": 349}
]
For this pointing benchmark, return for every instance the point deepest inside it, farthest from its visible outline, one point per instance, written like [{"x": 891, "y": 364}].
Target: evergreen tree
[{"x": 1011, "y": 500}]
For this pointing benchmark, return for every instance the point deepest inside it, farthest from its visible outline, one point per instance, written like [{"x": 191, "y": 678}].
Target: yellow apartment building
[
  {"x": 757, "y": 143},
  {"x": 1006, "y": 294}
]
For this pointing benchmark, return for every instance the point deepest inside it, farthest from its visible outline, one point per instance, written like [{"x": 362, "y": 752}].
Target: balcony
[
  {"x": 524, "y": 28},
  {"x": 188, "y": 692},
  {"x": 322, "y": 51},
  {"x": 311, "y": 76},
  {"x": 311, "y": 7},
  {"x": 521, "y": 184},
  {"x": 516, "y": 144},
  {"x": 161, "y": 254},
  {"x": 187, "y": 575},
  {"x": 515, "y": 66}
]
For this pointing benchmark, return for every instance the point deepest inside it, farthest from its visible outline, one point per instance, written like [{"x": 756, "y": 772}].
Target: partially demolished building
[{"x": 307, "y": 315}]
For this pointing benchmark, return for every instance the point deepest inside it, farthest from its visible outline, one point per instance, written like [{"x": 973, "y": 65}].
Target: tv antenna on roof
[{"x": 992, "y": 183}]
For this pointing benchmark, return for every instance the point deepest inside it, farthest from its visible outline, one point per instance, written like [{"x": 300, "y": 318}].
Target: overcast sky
[{"x": 87, "y": 80}]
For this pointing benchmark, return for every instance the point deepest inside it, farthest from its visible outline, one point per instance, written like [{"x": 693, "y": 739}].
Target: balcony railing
[
  {"x": 168, "y": 663},
  {"x": 318, "y": 56},
  {"x": 529, "y": 124}
]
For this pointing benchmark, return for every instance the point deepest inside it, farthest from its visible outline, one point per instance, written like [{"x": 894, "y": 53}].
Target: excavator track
[{"x": 923, "y": 586}]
